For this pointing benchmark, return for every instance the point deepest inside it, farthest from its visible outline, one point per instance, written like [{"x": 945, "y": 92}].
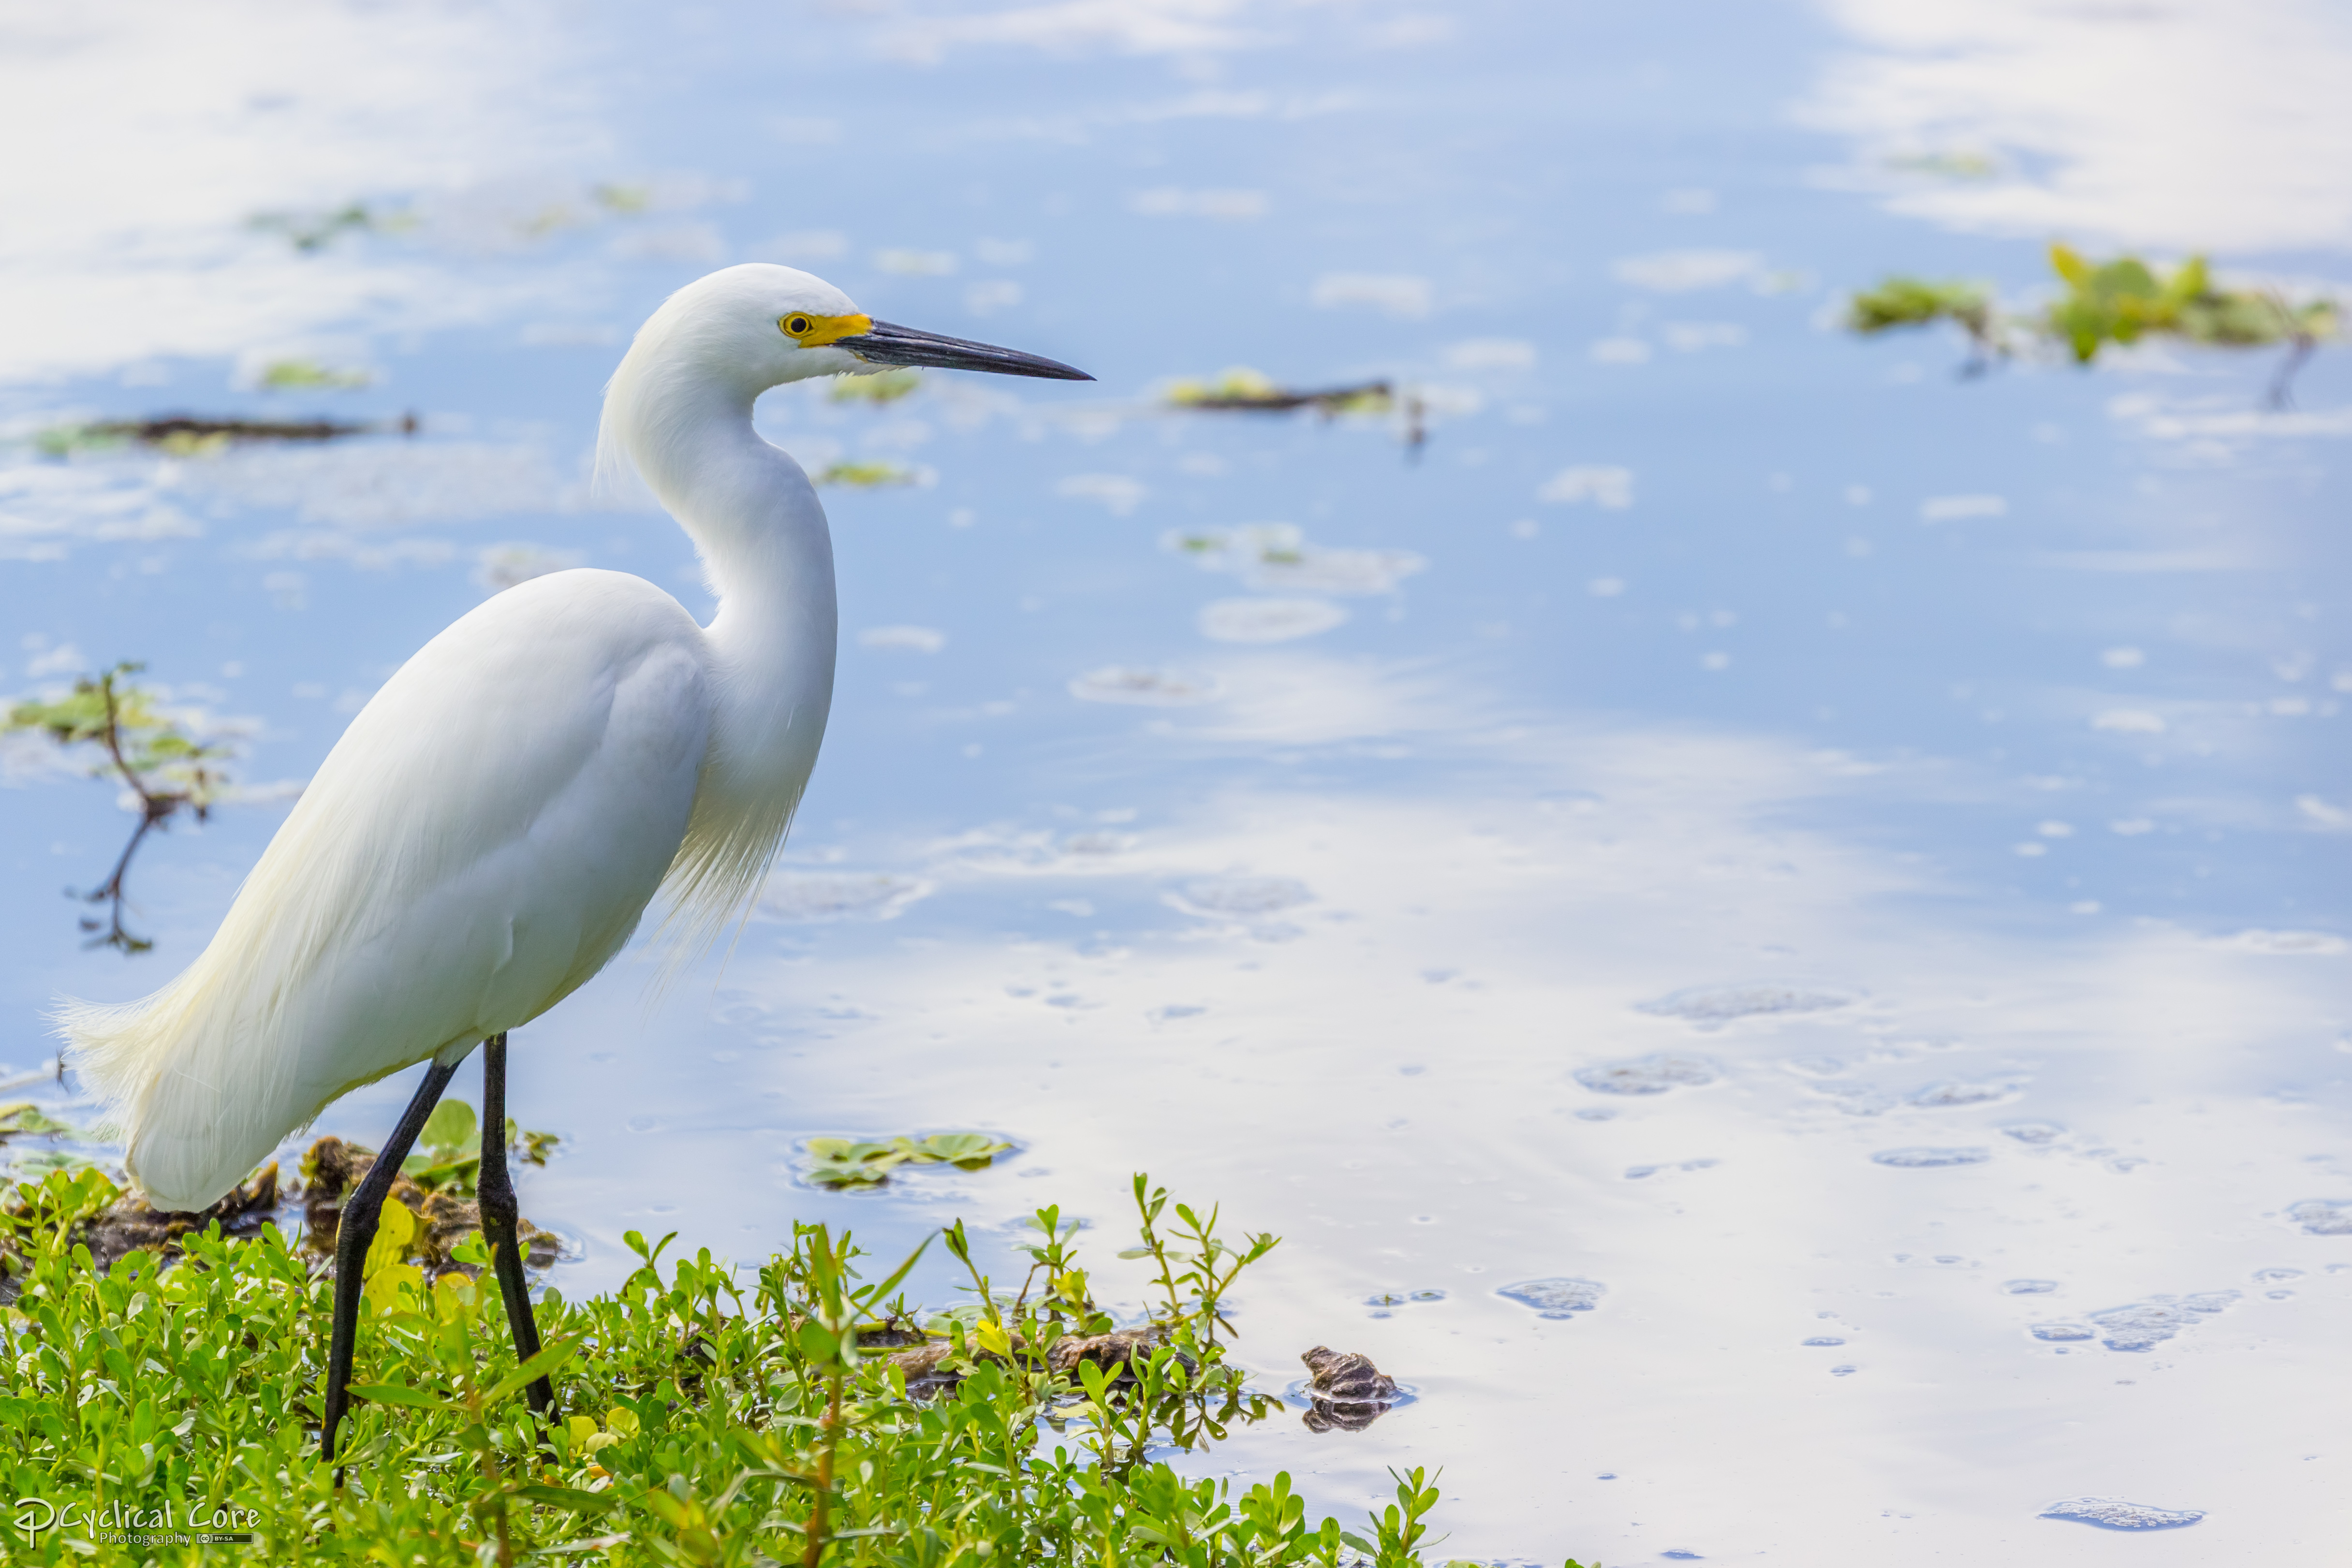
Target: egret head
[
  {"x": 758, "y": 325},
  {"x": 743, "y": 330}
]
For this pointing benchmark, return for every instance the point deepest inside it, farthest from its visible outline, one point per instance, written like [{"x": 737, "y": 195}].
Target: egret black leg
[
  {"x": 353, "y": 1232},
  {"x": 495, "y": 1192}
]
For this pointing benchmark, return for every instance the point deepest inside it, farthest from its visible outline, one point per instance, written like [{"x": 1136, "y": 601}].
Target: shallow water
[{"x": 1767, "y": 922}]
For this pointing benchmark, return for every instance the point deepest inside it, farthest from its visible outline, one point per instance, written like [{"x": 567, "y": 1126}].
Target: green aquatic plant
[
  {"x": 709, "y": 1417},
  {"x": 888, "y": 387},
  {"x": 1920, "y": 302},
  {"x": 449, "y": 1149},
  {"x": 869, "y": 475},
  {"x": 2110, "y": 304},
  {"x": 851, "y": 1163},
  {"x": 150, "y": 751}
]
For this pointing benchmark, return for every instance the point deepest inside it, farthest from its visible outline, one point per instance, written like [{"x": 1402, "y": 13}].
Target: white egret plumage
[{"x": 487, "y": 834}]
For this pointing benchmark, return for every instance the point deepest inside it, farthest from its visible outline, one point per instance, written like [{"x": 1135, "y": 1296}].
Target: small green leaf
[
  {"x": 397, "y": 1393},
  {"x": 819, "y": 1344},
  {"x": 549, "y": 1359},
  {"x": 452, "y": 1125},
  {"x": 578, "y": 1502}
]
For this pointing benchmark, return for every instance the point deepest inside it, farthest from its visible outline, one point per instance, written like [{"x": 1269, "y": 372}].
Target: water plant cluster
[
  {"x": 2104, "y": 305},
  {"x": 805, "y": 1413},
  {"x": 122, "y": 731}
]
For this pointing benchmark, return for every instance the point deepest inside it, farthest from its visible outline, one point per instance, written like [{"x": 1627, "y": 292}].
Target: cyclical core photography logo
[{"x": 173, "y": 1522}]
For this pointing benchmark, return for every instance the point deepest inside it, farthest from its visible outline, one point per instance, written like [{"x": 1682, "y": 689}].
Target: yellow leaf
[
  {"x": 993, "y": 1337},
  {"x": 2070, "y": 264},
  {"x": 396, "y": 1229},
  {"x": 384, "y": 1286},
  {"x": 582, "y": 1428},
  {"x": 620, "y": 1421}
]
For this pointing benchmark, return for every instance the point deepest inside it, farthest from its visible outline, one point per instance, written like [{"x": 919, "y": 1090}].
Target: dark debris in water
[
  {"x": 444, "y": 1217},
  {"x": 131, "y": 1224},
  {"x": 187, "y": 435},
  {"x": 1248, "y": 391},
  {"x": 1347, "y": 1392},
  {"x": 929, "y": 1368}
]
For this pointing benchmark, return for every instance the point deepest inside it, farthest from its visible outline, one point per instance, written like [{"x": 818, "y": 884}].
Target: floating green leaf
[{"x": 849, "y": 1163}]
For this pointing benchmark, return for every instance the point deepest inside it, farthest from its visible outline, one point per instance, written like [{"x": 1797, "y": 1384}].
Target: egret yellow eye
[{"x": 798, "y": 326}]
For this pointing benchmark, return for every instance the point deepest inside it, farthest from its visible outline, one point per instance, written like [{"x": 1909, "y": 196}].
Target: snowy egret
[{"x": 487, "y": 833}]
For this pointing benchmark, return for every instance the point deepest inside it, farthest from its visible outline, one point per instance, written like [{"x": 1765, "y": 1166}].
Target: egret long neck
[{"x": 767, "y": 555}]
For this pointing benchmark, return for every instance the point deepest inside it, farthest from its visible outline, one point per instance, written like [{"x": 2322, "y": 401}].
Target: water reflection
[{"x": 1740, "y": 756}]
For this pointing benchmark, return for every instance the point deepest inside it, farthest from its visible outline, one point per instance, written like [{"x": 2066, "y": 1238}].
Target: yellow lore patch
[{"x": 811, "y": 330}]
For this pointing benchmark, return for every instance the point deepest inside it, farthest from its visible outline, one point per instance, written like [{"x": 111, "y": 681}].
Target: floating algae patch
[
  {"x": 888, "y": 387},
  {"x": 1710, "y": 1006},
  {"x": 877, "y": 475},
  {"x": 1555, "y": 1298},
  {"x": 1922, "y": 1159},
  {"x": 2115, "y": 1513},
  {"x": 1653, "y": 1075},
  {"x": 1145, "y": 687},
  {"x": 1274, "y": 556}
]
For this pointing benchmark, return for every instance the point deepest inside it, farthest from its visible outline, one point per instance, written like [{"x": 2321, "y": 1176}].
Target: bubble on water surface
[
  {"x": 1145, "y": 687},
  {"x": 2115, "y": 1513},
  {"x": 1945, "y": 1096},
  {"x": 1402, "y": 1298},
  {"x": 827, "y": 896},
  {"x": 1653, "y": 1075},
  {"x": 2057, "y": 1333},
  {"x": 1243, "y": 897},
  {"x": 2028, "y": 1287},
  {"x": 2034, "y": 1132},
  {"x": 1857, "y": 1098},
  {"x": 2273, "y": 1276},
  {"x": 1824, "y": 1340},
  {"x": 1921, "y": 1158},
  {"x": 1555, "y": 1298},
  {"x": 1708, "y": 1006},
  {"x": 2143, "y": 1326},
  {"x": 1267, "y": 619},
  {"x": 2322, "y": 1217}
]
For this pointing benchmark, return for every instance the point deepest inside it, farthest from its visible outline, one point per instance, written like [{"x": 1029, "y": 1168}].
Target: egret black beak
[{"x": 884, "y": 344}]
